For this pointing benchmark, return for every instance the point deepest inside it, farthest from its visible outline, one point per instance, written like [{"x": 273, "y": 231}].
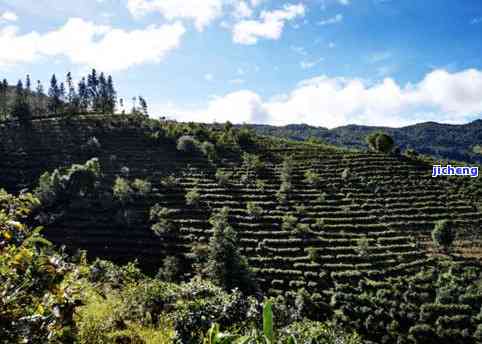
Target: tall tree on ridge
[
  {"x": 54, "y": 96},
  {"x": 72, "y": 98},
  {"x": 103, "y": 93},
  {"x": 83, "y": 96},
  {"x": 93, "y": 92},
  {"x": 112, "y": 95},
  {"x": 143, "y": 106},
  {"x": 39, "y": 99},
  {"x": 21, "y": 109},
  {"x": 28, "y": 84},
  {"x": 3, "y": 99}
]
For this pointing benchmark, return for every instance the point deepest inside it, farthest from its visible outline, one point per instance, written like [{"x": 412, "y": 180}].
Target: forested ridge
[{"x": 446, "y": 141}]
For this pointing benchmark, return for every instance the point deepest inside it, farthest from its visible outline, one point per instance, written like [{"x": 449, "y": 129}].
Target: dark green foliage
[
  {"x": 380, "y": 142},
  {"x": 312, "y": 178},
  {"x": 163, "y": 225},
  {"x": 289, "y": 222},
  {"x": 76, "y": 181},
  {"x": 254, "y": 210},
  {"x": 187, "y": 144},
  {"x": 223, "y": 178},
  {"x": 170, "y": 270},
  {"x": 122, "y": 190},
  {"x": 3, "y": 99},
  {"x": 448, "y": 141},
  {"x": 193, "y": 197},
  {"x": 226, "y": 267},
  {"x": 209, "y": 150},
  {"x": 443, "y": 234},
  {"x": 286, "y": 180},
  {"x": 21, "y": 108}
]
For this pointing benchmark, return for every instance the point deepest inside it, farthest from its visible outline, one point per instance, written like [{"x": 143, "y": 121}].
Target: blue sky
[{"x": 321, "y": 62}]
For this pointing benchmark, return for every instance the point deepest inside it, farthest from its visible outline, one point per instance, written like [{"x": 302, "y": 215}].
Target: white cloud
[
  {"x": 299, "y": 50},
  {"x": 310, "y": 64},
  {"x": 330, "y": 102},
  {"x": 8, "y": 16},
  {"x": 270, "y": 25},
  {"x": 333, "y": 20},
  {"x": 242, "y": 10},
  {"x": 85, "y": 43},
  {"x": 202, "y": 12},
  {"x": 256, "y": 3}
]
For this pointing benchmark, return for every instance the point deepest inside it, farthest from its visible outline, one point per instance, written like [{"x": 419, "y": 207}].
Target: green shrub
[
  {"x": 345, "y": 175},
  {"x": 226, "y": 267},
  {"x": 321, "y": 198},
  {"x": 260, "y": 184},
  {"x": 313, "y": 254},
  {"x": 187, "y": 144},
  {"x": 363, "y": 245},
  {"x": 141, "y": 187},
  {"x": 252, "y": 162},
  {"x": 170, "y": 270},
  {"x": 63, "y": 185},
  {"x": 312, "y": 178},
  {"x": 209, "y": 150},
  {"x": 223, "y": 177},
  {"x": 122, "y": 190},
  {"x": 289, "y": 222},
  {"x": 443, "y": 234},
  {"x": 302, "y": 228},
  {"x": 380, "y": 142},
  {"x": 319, "y": 224},
  {"x": 254, "y": 210},
  {"x": 477, "y": 149},
  {"x": 169, "y": 182},
  {"x": 193, "y": 197},
  {"x": 162, "y": 224}
]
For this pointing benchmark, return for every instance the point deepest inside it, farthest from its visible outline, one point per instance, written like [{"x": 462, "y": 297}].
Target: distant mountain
[{"x": 454, "y": 142}]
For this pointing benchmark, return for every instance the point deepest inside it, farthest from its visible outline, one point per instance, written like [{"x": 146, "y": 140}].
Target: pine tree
[
  {"x": 72, "y": 97},
  {"x": 54, "y": 96},
  {"x": 39, "y": 99},
  {"x": 112, "y": 95},
  {"x": 21, "y": 108},
  {"x": 134, "y": 105},
  {"x": 62, "y": 98},
  {"x": 83, "y": 96},
  {"x": 226, "y": 267},
  {"x": 93, "y": 92},
  {"x": 3, "y": 99},
  {"x": 143, "y": 106},
  {"x": 103, "y": 93},
  {"x": 28, "y": 84}
]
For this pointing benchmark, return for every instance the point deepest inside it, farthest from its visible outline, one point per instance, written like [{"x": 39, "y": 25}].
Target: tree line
[{"x": 92, "y": 94}]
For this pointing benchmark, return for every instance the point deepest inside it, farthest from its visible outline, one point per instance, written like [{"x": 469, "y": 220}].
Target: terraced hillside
[
  {"x": 361, "y": 226},
  {"x": 385, "y": 206}
]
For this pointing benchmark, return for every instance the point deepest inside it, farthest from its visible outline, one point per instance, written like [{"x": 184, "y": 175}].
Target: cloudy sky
[{"x": 322, "y": 62}]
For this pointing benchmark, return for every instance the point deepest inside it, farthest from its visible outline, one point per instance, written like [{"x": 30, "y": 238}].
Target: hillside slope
[
  {"x": 363, "y": 227},
  {"x": 385, "y": 200},
  {"x": 454, "y": 142}
]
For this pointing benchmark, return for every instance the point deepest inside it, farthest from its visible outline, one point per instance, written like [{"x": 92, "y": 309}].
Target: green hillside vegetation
[
  {"x": 188, "y": 233},
  {"x": 445, "y": 141}
]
